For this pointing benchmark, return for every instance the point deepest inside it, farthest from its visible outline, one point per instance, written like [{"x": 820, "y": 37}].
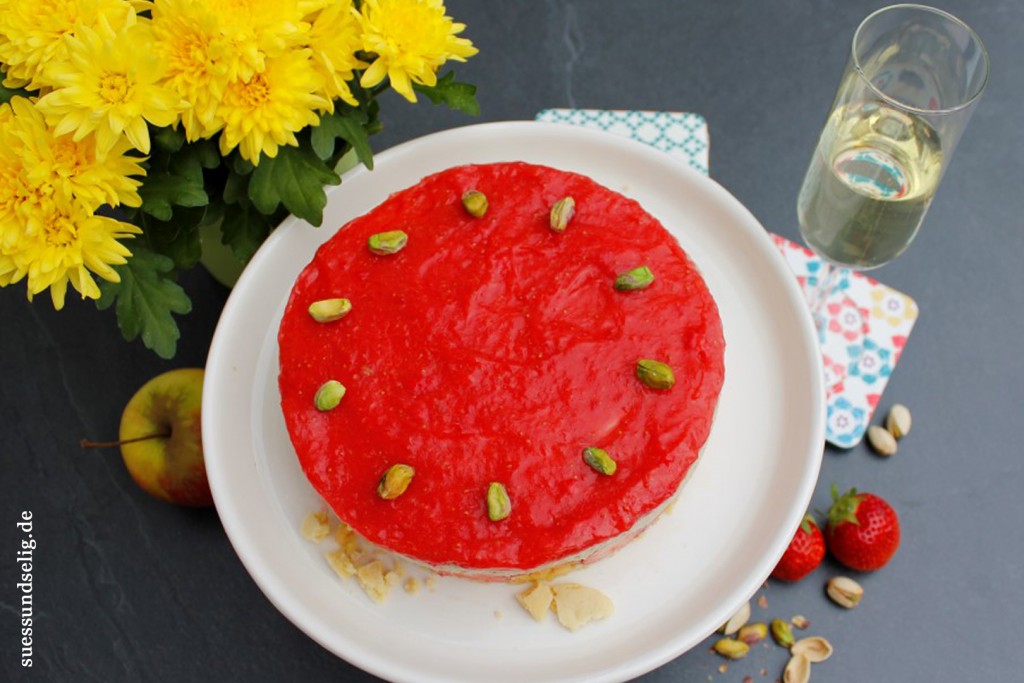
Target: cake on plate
[{"x": 503, "y": 369}]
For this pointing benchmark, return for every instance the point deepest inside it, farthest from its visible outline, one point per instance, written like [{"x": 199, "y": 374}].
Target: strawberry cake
[{"x": 501, "y": 370}]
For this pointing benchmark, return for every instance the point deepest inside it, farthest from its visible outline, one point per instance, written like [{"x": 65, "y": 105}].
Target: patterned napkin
[{"x": 868, "y": 323}]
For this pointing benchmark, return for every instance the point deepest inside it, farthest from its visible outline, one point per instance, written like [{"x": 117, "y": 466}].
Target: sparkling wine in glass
[{"x": 910, "y": 85}]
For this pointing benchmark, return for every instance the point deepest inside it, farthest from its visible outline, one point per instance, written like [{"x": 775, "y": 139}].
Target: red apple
[{"x": 161, "y": 440}]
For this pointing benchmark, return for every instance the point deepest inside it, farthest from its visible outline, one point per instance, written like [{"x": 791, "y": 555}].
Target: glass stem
[{"x": 827, "y": 281}]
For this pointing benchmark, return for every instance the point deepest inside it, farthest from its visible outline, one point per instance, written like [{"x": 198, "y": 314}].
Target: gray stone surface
[{"x": 130, "y": 589}]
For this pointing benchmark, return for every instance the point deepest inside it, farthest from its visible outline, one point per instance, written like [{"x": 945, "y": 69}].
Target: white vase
[{"x": 218, "y": 258}]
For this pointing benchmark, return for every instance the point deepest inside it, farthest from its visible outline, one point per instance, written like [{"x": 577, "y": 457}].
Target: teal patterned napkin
[
  {"x": 682, "y": 135},
  {"x": 868, "y": 323}
]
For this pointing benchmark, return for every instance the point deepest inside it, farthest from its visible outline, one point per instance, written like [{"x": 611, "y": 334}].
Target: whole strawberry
[
  {"x": 804, "y": 553},
  {"x": 863, "y": 531}
]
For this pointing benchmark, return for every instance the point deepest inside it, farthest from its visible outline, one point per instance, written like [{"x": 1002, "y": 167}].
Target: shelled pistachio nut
[
  {"x": 561, "y": 213},
  {"x": 782, "y": 633},
  {"x": 329, "y": 395},
  {"x": 329, "y": 310},
  {"x": 387, "y": 243},
  {"x": 655, "y": 374},
  {"x": 753, "y": 633},
  {"x": 730, "y": 648},
  {"x": 475, "y": 203},
  {"x": 638, "y": 278},
  {"x": 898, "y": 421},
  {"x": 599, "y": 460},
  {"x": 499, "y": 505},
  {"x": 844, "y": 591},
  {"x": 395, "y": 481}
]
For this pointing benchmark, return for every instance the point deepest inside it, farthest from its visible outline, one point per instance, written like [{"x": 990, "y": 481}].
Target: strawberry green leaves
[{"x": 844, "y": 507}]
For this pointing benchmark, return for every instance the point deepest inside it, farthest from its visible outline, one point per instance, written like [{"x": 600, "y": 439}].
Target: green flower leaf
[
  {"x": 239, "y": 165},
  {"x": 294, "y": 178},
  {"x": 205, "y": 152},
  {"x": 146, "y": 299},
  {"x": 236, "y": 188},
  {"x": 7, "y": 94},
  {"x": 162, "y": 191},
  {"x": 167, "y": 138},
  {"x": 179, "y": 238},
  {"x": 456, "y": 95},
  {"x": 350, "y": 126},
  {"x": 244, "y": 229},
  {"x": 177, "y": 181}
]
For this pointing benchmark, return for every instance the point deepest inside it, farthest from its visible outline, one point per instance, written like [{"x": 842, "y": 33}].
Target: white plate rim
[{"x": 241, "y": 495}]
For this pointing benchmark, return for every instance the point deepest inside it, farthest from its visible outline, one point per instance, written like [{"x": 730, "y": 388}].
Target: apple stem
[{"x": 85, "y": 443}]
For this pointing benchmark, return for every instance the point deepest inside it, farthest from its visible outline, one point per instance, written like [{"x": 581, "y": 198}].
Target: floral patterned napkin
[{"x": 868, "y": 323}]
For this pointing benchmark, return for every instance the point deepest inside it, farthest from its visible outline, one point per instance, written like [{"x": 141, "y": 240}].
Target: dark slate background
[{"x": 128, "y": 588}]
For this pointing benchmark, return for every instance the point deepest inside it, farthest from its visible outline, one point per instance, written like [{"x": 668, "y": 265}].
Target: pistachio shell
[
  {"x": 599, "y": 460},
  {"x": 475, "y": 203},
  {"x": 499, "y": 506},
  {"x": 815, "y": 649},
  {"x": 386, "y": 243},
  {"x": 798, "y": 670},
  {"x": 736, "y": 621},
  {"x": 329, "y": 310},
  {"x": 561, "y": 213},
  {"x": 395, "y": 481},
  {"x": 329, "y": 395},
  {"x": 800, "y": 621},
  {"x": 883, "y": 442},
  {"x": 898, "y": 421},
  {"x": 844, "y": 591}
]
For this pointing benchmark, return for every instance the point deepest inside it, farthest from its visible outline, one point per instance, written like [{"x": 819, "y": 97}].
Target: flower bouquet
[{"x": 130, "y": 127}]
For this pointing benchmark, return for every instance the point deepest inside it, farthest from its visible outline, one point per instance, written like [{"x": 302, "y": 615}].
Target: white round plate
[{"x": 671, "y": 587}]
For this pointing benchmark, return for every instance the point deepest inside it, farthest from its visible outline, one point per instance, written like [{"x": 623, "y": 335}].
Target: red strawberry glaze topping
[{"x": 495, "y": 349}]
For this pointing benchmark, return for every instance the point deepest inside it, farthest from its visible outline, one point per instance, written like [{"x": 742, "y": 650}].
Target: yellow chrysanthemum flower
[
  {"x": 32, "y": 33},
  {"x": 73, "y": 166},
  {"x": 260, "y": 29},
  {"x": 13, "y": 186},
  {"x": 411, "y": 40},
  {"x": 266, "y": 111},
  {"x": 199, "y": 59},
  {"x": 334, "y": 40},
  {"x": 110, "y": 84},
  {"x": 71, "y": 245},
  {"x": 18, "y": 197},
  {"x": 49, "y": 186}
]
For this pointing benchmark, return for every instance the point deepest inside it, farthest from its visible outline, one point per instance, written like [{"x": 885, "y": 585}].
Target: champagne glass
[{"x": 910, "y": 85}]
